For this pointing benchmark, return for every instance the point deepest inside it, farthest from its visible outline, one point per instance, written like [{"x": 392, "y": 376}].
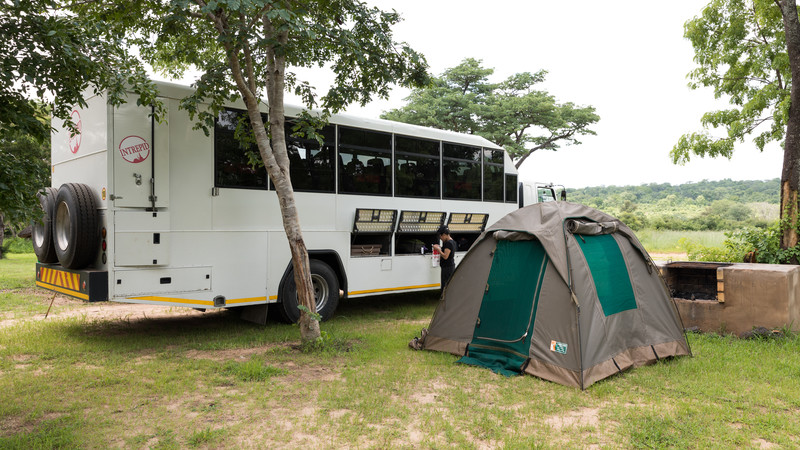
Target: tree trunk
[
  {"x": 273, "y": 148},
  {"x": 2, "y": 234},
  {"x": 790, "y": 176}
]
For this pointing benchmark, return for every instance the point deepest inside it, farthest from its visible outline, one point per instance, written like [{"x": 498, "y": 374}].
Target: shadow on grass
[{"x": 224, "y": 329}]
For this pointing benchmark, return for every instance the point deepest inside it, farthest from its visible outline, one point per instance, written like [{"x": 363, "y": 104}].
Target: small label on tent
[{"x": 558, "y": 347}]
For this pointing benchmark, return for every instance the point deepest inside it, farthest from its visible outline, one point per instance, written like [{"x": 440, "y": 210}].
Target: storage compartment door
[{"x": 141, "y": 158}]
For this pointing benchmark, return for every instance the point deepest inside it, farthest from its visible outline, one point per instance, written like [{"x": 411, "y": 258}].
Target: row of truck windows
[{"x": 367, "y": 162}]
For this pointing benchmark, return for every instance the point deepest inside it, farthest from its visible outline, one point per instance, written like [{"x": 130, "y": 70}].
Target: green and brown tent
[{"x": 560, "y": 291}]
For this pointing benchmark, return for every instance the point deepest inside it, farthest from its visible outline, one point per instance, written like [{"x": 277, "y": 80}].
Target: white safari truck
[{"x": 160, "y": 213}]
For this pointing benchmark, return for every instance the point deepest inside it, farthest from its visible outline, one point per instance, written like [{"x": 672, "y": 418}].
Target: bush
[
  {"x": 762, "y": 244},
  {"x": 699, "y": 252},
  {"x": 17, "y": 245}
]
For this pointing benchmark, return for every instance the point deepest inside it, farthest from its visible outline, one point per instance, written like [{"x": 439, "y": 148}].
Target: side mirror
[{"x": 563, "y": 195}]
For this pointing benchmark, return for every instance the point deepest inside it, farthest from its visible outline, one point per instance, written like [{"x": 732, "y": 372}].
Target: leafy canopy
[
  {"x": 221, "y": 37},
  {"x": 740, "y": 51},
  {"x": 55, "y": 56},
  {"x": 24, "y": 169},
  {"x": 513, "y": 113},
  {"x": 49, "y": 59}
]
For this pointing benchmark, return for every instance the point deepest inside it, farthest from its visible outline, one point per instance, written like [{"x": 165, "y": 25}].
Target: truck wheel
[
  {"x": 76, "y": 228},
  {"x": 326, "y": 293},
  {"x": 42, "y": 232}
]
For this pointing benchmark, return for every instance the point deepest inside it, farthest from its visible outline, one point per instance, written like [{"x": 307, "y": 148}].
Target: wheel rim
[
  {"x": 62, "y": 226},
  {"x": 38, "y": 235},
  {"x": 321, "y": 291}
]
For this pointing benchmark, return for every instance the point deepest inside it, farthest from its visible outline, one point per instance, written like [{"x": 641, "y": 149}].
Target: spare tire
[
  {"x": 42, "y": 232},
  {"x": 76, "y": 228}
]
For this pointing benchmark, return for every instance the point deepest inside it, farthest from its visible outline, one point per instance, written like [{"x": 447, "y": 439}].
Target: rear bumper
[{"x": 89, "y": 285}]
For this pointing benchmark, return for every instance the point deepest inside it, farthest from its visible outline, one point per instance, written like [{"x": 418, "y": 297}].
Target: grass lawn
[
  {"x": 211, "y": 381},
  {"x": 669, "y": 241}
]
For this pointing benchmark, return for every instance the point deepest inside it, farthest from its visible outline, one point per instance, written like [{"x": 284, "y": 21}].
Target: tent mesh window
[{"x": 609, "y": 272}]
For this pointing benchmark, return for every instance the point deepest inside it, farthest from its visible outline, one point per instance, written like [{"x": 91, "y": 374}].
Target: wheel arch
[{"x": 329, "y": 257}]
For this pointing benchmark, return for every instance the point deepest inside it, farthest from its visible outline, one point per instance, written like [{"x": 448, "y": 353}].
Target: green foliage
[
  {"x": 512, "y": 113},
  {"x": 54, "y": 52},
  {"x": 17, "y": 245},
  {"x": 242, "y": 46},
  {"x": 740, "y": 49},
  {"x": 706, "y": 205},
  {"x": 24, "y": 170},
  {"x": 761, "y": 245},
  {"x": 699, "y": 252},
  {"x": 326, "y": 343}
]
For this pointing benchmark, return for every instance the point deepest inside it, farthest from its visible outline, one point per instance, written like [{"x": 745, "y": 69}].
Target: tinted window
[
  {"x": 493, "y": 175},
  {"x": 232, "y": 166},
  {"x": 461, "y": 169},
  {"x": 511, "y": 188},
  {"x": 365, "y": 161},
  {"x": 311, "y": 164},
  {"x": 417, "y": 169}
]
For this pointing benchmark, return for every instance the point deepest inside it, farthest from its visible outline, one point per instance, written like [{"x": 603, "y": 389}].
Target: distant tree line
[{"x": 704, "y": 205}]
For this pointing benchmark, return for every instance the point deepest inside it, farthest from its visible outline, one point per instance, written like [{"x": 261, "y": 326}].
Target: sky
[{"x": 626, "y": 58}]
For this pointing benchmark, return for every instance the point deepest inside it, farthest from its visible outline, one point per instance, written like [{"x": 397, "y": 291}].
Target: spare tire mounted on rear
[{"x": 76, "y": 228}]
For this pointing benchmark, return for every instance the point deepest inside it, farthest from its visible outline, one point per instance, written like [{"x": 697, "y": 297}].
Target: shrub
[{"x": 17, "y": 245}]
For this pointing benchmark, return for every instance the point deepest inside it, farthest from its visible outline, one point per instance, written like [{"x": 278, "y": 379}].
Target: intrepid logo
[
  {"x": 134, "y": 149},
  {"x": 75, "y": 140}
]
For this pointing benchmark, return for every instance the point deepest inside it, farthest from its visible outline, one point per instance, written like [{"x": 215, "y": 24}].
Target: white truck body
[{"x": 172, "y": 237}]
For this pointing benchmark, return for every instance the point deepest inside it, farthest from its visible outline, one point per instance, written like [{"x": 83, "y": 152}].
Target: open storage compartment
[
  {"x": 416, "y": 231},
  {"x": 465, "y": 228},
  {"x": 372, "y": 232}
]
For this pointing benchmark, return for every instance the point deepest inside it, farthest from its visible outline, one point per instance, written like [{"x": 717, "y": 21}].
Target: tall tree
[
  {"x": 24, "y": 169},
  {"x": 247, "y": 49},
  {"x": 53, "y": 56},
  {"x": 513, "y": 113},
  {"x": 749, "y": 52}
]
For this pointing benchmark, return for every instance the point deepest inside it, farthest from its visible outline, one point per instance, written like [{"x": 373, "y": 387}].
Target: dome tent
[{"x": 560, "y": 291}]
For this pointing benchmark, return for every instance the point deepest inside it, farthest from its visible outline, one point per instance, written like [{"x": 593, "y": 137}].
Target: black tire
[
  {"x": 326, "y": 293},
  {"x": 42, "y": 230},
  {"x": 76, "y": 228}
]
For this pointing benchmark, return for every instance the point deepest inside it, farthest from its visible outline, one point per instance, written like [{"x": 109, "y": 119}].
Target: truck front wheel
[{"x": 326, "y": 293}]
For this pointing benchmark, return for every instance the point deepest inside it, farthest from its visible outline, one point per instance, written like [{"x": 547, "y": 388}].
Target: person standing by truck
[{"x": 447, "y": 253}]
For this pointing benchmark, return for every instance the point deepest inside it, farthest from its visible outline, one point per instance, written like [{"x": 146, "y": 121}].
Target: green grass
[
  {"x": 669, "y": 241},
  {"x": 213, "y": 381},
  {"x": 18, "y": 271}
]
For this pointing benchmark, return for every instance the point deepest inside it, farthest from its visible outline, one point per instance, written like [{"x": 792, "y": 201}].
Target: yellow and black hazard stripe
[{"x": 90, "y": 285}]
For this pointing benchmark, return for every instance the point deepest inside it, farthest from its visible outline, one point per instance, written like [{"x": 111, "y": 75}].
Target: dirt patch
[
  {"x": 584, "y": 417},
  {"x": 233, "y": 354},
  {"x": 761, "y": 443},
  {"x": 668, "y": 257},
  {"x": 68, "y": 308},
  {"x": 14, "y": 425}
]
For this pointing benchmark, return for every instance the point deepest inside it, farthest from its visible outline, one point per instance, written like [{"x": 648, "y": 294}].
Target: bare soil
[
  {"x": 63, "y": 307},
  {"x": 667, "y": 257}
]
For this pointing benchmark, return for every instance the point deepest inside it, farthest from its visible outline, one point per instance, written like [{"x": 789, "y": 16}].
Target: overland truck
[{"x": 150, "y": 212}]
